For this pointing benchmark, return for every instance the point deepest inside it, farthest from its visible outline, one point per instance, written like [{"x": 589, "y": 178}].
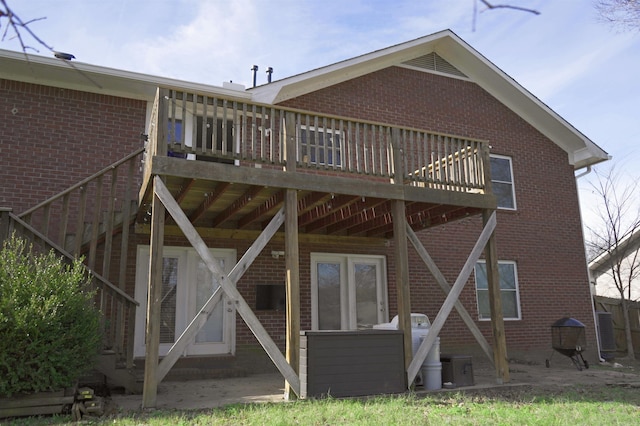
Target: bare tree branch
[
  {"x": 621, "y": 14},
  {"x": 509, "y": 6},
  {"x": 13, "y": 24},
  {"x": 490, "y": 6}
]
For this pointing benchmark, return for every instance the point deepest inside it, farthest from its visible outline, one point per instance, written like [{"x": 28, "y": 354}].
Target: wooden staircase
[{"x": 91, "y": 220}]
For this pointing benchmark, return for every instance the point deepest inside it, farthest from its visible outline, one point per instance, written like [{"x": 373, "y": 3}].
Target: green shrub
[{"x": 49, "y": 329}]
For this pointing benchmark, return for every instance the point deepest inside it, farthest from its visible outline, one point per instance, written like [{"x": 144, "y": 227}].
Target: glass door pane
[
  {"x": 366, "y": 292},
  {"x": 205, "y": 286},
  {"x": 168, "y": 301},
  {"x": 329, "y": 312}
]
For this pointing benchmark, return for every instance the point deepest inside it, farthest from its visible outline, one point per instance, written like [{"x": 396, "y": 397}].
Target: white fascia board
[
  {"x": 581, "y": 151},
  {"x": 626, "y": 247},
  {"x": 297, "y": 85},
  {"x": 96, "y": 79}
]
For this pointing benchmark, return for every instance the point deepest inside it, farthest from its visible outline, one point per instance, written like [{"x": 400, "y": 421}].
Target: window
[
  {"x": 509, "y": 293},
  {"x": 320, "y": 146},
  {"x": 502, "y": 182},
  {"x": 348, "y": 292},
  {"x": 201, "y": 138}
]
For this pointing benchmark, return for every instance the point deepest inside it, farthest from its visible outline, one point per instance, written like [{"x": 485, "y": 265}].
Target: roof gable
[{"x": 445, "y": 53}]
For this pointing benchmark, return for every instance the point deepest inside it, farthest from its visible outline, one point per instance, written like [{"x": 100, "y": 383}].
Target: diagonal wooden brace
[
  {"x": 451, "y": 299},
  {"x": 442, "y": 281},
  {"x": 200, "y": 319},
  {"x": 227, "y": 285}
]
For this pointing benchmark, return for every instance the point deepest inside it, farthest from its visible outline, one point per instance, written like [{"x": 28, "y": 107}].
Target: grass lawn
[{"x": 522, "y": 405}]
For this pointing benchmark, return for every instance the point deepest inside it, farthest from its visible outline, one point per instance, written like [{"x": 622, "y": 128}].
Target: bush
[{"x": 49, "y": 329}]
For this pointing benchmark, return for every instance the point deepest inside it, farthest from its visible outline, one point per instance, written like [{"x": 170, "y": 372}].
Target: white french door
[
  {"x": 186, "y": 285},
  {"x": 348, "y": 292}
]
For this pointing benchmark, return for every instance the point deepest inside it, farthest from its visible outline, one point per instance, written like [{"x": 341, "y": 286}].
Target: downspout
[{"x": 589, "y": 277}]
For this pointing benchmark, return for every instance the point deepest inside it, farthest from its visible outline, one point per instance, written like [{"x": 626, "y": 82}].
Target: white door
[
  {"x": 349, "y": 292},
  {"x": 186, "y": 285}
]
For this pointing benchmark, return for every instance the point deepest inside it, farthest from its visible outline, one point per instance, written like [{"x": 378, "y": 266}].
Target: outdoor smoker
[{"x": 568, "y": 338}]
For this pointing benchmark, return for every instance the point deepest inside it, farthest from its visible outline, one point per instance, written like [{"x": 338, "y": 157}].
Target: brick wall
[
  {"x": 51, "y": 138},
  {"x": 543, "y": 236},
  {"x": 61, "y": 136}
]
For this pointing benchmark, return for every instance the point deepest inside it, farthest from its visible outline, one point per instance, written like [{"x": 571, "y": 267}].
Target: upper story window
[
  {"x": 198, "y": 137},
  {"x": 502, "y": 182},
  {"x": 320, "y": 146},
  {"x": 509, "y": 293}
]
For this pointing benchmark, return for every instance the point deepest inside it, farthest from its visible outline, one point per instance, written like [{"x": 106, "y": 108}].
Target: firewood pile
[{"x": 87, "y": 403}]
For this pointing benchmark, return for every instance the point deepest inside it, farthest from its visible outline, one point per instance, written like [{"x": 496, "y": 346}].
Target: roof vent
[{"x": 434, "y": 62}]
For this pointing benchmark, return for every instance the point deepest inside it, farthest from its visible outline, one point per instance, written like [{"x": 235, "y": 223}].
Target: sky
[{"x": 585, "y": 70}]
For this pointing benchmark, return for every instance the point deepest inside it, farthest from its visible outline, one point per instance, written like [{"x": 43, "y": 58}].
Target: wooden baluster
[
  {"x": 79, "y": 234},
  {"x": 95, "y": 223},
  {"x": 109, "y": 226}
]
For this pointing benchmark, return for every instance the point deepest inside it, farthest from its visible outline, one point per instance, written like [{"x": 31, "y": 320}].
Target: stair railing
[{"x": 87, "y": 220}]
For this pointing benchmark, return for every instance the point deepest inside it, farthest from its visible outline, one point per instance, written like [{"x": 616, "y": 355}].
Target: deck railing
[{"x": 216, "y": 128}]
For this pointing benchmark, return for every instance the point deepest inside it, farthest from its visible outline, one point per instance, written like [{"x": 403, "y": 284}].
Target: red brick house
[{"x": 419, "y": 141}]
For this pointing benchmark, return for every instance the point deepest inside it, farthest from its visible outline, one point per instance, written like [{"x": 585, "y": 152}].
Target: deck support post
[
  {"x": 154, "y": 297},
  {"x": 292, "y": 258},
  {"x": 401, "y": 252},
  {"x": 154, "y": 289},
  {"x": 292, "y": 286},
  {"x": 500, "y": 358}
]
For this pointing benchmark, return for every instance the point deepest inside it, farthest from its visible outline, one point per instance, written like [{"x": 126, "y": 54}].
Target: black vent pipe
[{"x": 255, "y": 71}]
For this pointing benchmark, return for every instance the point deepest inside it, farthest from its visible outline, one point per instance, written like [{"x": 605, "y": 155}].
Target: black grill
[{"x": 568, "y": 338}]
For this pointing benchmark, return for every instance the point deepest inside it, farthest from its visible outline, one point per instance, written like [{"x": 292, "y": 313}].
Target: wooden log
[{"x": 35, "y": 404}]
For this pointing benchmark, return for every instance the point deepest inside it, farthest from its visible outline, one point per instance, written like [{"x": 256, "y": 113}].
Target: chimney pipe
[
  {"x": 269, "y": 72},
  {"x": 255, "y": 70}
]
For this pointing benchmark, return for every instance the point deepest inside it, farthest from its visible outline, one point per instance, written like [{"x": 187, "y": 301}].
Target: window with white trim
[
  {"x": 320, "y": 146},
  {"x": 348, "y": 292},
  {"x": 509, "y": 293},
  {"x": 502, "y": 182},
  {"x": 201, "y": 137}
]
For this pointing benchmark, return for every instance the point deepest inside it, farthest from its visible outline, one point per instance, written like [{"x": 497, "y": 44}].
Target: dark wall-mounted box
[
  {"x": 457, "y": 370},
  {"x": 351, "y": 363}
]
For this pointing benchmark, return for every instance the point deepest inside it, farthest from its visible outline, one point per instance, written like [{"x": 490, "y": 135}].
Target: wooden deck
[{"x": 346, "y": 173}]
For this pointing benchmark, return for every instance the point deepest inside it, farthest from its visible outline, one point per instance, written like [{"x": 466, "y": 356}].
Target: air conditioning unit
[{"x": 606, "y": 334}]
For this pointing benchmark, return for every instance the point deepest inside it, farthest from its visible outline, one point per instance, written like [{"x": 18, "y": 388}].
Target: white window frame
[
  {"x": 516, "y": 290},
  {"x": 336, "y": 150},
  {"x": 512, "y": 183},
  {"x": 185, "y": 300},
  {"x": 189, "y": 120},
  {"x": 348, "y": 312}
]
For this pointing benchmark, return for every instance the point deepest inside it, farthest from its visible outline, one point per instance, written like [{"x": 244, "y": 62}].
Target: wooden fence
[{"x": 614, "y": 307}]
